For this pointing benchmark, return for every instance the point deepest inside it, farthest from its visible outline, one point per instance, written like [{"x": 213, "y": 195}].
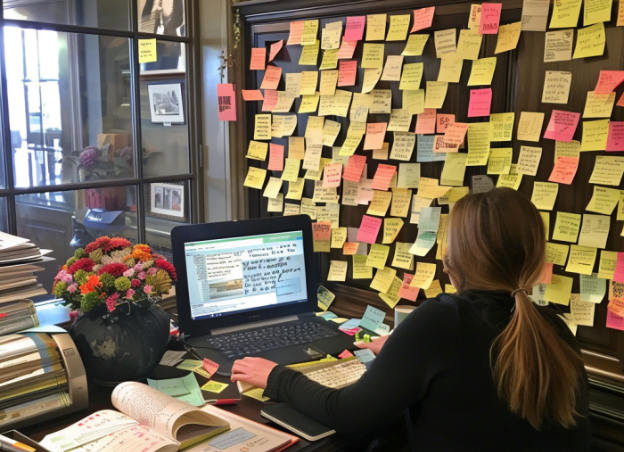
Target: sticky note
[
  {"x": 353, "y": 170},
  {"x": 372, "y": 56},
  {"x": 499, "y": 161},
  {"x": 469, "y": 44},
  {"x": 599, "y": 105},
  {"x": 564, "y": 170},
  {"x": 257, "y": 150},
  {"x": 309, "y": 54},
  {"x": 375, "y": 134},
  {"x": 376, "y": 27},
  {"x": 435, "y": 94},
  {"x": 291, "y": 169},
  {"x": 310, "y": 32},
  {"x": 406, "y": 291},
  {"x": 415, "y": 45},
  {"x": 434, "y": 290},
  {"x": 595, "y": 134},
  {"x": 380, "y": 203},
  {"x": 392, "y": 68},
  {"x": 423, "y": 18},
  {"x": 508, "y": 36},
  {"x": 581, "y": 260},
  {"x": 400, "y": 200},
  {"x": 383, "y": 176},
  {"x": 595, "y": 231},
  {"x": 399, "y": 24},
  {"x": 369, "y": 229},
  {"x": 590, "y": 41},
  {"x": 272, "y": 76},
  {"x": 324, "y": 297},
  {"x": 276, "y": 158},
  {"x": 330, "y": 59},
  {"x": 258, "y": 59},
  {"x": 501, "y": 126},
  {"x": 567, "y": 227},
  {"x": 296, "y": 32},
  {"x": 615, "y": 138},
  {"x": 445, "y": 42},
  {"x": 528, "y": 161},
  {"x": 482, "y": 71},
  {"x": 337, "y": 270},
  {"x": 567, "y": 149},
  {"x": 429, "y": 188},
  {"x": 593, "y": 288},
  {"x": 295, "y": 189},
  {"x": 603, "y": 200},
  {"x": 618, "y": 274},
  {"x": 559, "y": 290},
  {"x": 535, "y": 15},
  {"x": 530, "y": 126},
  {"x": 147, "y": 51},
  {"x": 620, "y": 15},
  {"x": 544, "y": 195},
  {"x": 597, "y": 11},
  {"x": 262, "y": 129},
  {"x": 372, "y": 318},
  {"x": 347, "y": 72},
  {"x": 490, "y": 18},
  {"x": 354, "y": 29},
  {"x": 411, "y": 76},
  {"x": 581, "y": 312},
  {"x": 474, "y": 18},
  {"x": 450, "y": 69},
  {"x": 480, "y": 102},
  {"x": 255, "y": 178},
  {"x": 426, "y": 121},
  {"x": 251, "y": 94},
  {"x": 556, "y": 87},
  {"x": 607, "y": 170},
  {"x": 383, "y": 279},
  {"x": 424, "y": 275},
  {"x": 558, "y": 45},
  {"x": 377, "y": 256},
  {"x": 330, "y": 36},
  {"x": 565, "y": 13},
  {"x": 562, "y": 125}
]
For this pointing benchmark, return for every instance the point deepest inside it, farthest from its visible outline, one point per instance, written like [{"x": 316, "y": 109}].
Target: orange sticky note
[
  {"x": 608, "y": 81},
  {"x": 258, "y": 59},
  {"x": 383, "y": 176},
  {"x": 276, "y": 157},
  {"x": 407, "y": 292},
  {"x": 620, "y": 103},
  {"x": 270, "y": 99},
  {"x": 375, "y": 134},
  {"x": 354, "y": 168},
  {"x": 272, "y": 77},
  {"x": 443, "y": 120},
  {"x": 350, "y": 248},
  {"x": 564, "y": 170},
  {"x": 210, "y": 366},
  {"x": 345, "y": 52},
  {"x": 252, "y": 94},
  {"x": 275, "y": 48},
  {"x": 347, "y": 71},
  {"x": 296, "y": 33},
  {"x": 369, "y": 229},
  {"x": 547, "y": 273},
  {"x": 321, "y": 230},
  {"x": 423, "y": 18},
  {"x": 426, "y": 121}
]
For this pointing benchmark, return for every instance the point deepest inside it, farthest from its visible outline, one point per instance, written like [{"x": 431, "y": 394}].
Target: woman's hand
[
  {"x": 252, "y": 370},
  {"x": 375, "y": 345}
]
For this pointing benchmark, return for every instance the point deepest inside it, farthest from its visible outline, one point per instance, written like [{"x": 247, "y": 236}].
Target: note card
[
  {"x": 558, "y": 45},
  {"x": 562, "y": 125},
  {"x": 590, "y": 41},
  {"x": 445, "y": 42},
  {"x": 490, "y": 18},
  {"x": 480, "y": 102},
  {"x": 556, "y": 87}
]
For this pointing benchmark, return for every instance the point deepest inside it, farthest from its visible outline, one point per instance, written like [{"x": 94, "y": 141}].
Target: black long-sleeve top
[{"x": 437, "y": 364}]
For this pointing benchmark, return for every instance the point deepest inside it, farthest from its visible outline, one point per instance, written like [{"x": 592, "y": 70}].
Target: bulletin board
[{"x": 517, "y": 87}]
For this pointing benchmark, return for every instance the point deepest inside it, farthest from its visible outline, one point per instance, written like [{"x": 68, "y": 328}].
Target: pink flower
[
  {"x": 129, "y": 273},
  {"x": 72, "y": 288},
  {"x": 68, "y": 279},
  {"x": 136, "y": 282},
  {"x": 147, "y": 289},
  {"x": 152, "y": 271},
  {"x": 60, "y": 275},
  {"x": 138, "y": 267},
  {"x": 129, "y": 294},
  {"x": 142, "y": 275},
  {"x": 111, "y": 302}
]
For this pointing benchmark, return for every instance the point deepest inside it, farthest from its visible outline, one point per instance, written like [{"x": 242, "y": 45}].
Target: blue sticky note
[
  {"x": 349, "y": 324},
  {"x": 365, "y": 356},
  {"x": 372, "y": 318},
  {"x": 229, "y": 439},
  {"x": 424, "y": 149},
  {"x": 328, "y": 315}
]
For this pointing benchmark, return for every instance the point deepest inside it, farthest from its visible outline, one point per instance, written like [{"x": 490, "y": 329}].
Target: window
[{"x": 95, "y": 141}]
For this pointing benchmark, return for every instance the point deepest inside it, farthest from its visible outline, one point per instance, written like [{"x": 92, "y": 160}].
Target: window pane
[
  {"x": 4, "y": 220},
  {"x": 166, "y": 206},
  {"x": 111, "y": 14},
  {"x": 70, "y": 112},
  {"x": 163, "y": 17},
  {"x": 164, "y": 113},
  {"x": 66, "y": 221}
]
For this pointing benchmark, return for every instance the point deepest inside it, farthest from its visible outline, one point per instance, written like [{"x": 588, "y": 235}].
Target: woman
[{"x": 483, "y": 370}]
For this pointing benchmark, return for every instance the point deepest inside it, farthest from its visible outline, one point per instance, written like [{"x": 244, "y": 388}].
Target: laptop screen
[{"x": 234, "y": 275}]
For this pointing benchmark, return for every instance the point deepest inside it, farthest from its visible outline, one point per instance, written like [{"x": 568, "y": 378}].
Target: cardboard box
[
  {"x": 117, "y": 140},
  {"x": 17, "y": 436}
]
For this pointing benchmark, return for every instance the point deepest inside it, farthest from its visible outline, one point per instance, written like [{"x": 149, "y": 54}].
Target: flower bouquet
[{"x": 112, "y": 272}]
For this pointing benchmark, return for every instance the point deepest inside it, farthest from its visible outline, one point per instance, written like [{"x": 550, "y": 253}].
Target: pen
[
  {"x": 10, "y": 445},
  {"x": 224, "y": 402}
]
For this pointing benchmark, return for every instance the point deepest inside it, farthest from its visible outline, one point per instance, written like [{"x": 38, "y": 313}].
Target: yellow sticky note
[
  {"x": 401, "y": 198},
  {"x": 599, "y": 105},
  {"x": 308, "y": 207},
  {"x": 328, "y": 83},
  {"x": 530, "y": 126},
  {"x": 295, "y": 189},
  {"x": 377, "y": 256},
  {"x": 291, "y": 169},
  {"x": 454, "y": 170},
  {"x": 391, "y": 297},
  {"x": 556, "y": 87},
  {"x": 450, "y": 69},
  {"x": 309, "y": 54},
  {"x": 501, "y": 126},
  {"x": 424, "y": 275},
  {"x": 544, "y": 195},
  {"x": 330, "y": 59},
  {"x": 383, "y": 279},
  {"x": 559, "y": 290},
  {"x": 392, "y": 68},
  {"x": 376, "y": 27},
  {"x": 435, "y": 94},
  {"x": 337, "y": 270},
  {"x": 557, "y": 253},
  {"x": 594, "y": 231},
  {"x": 434, "y": 290},
  {"x": 414, "y": 101},
  {"x": 411, "y": 76},
  {"x": 499, "y": 161},
  {"x": 469, "y": 44},
  {"x": 607, "y": 170},
  {"x": 565, "y": 13},
  {"x": 338, "y": 237},
  {"x": 597, "y": 11},
  {"x": 595, "y": 135},
  {"x": 257, "y": 150},
  {"x": 255, "y": 178},
  {"x": 310, "y": 32},
  {"x": 482, "y": 71},
  {"x": 445, "y": 42},
  {"x": 373, "y": 56},
  {"x": 608, "y": 261},
  {"x": 508, "y": 36},
  {"x": 309, "y": 80},
  {"x": 528, "y": 161},
  {"x": 402, "y": 257},
  {"x": 582, "y": 259},
  {"x": 273, "y": 187},
  {"x": 360, "y": 269},
  {"x": 391, "y": 228},
  {"x": 256, "y": 393},
  {"x": 147, "y": 51},
  {"x": 509, "y": 180},
  {"x": 397, "y": 31},
  {"x": 214, "y": 386},
  {"x": 590, "y": 41},
  {"x": 309, "y": 104},
  {"x": 478, "y": 143},
  {"x": 291, "y": 209},
  {"x": 262, "y": 129},
  {"x": 620, "y": 210},
  {"x": 380, "y": 203},
  {"x": 429, "y": 188},
  {"x": 567, "y": 227},
  {"x": 565, "y": 149},
  {"x": 415, "y": 45}
]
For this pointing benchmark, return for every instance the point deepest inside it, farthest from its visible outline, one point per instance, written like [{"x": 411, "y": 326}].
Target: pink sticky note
[
  {"x": 258, "y": 59},
  {"x": 276, "y": 157},
  {"x": 275, "y": 48},
  {"x": 347, "y": 71},
  {"x": 615, "y": 139},
  {"x": 426, "y": 121},
  {"x": 562, "y": 125},
  {"x": 614, "y": 321},
  {"x": 618, "y": 276},
  {"x": 345, "y": 52},
  {"x": 407, "y": 292},
  {"x": 480, "y": 102},
  {"x": 296, "y": 33},
  {"x": 369, "y": 228},
  {"x": 620, "y": 103},
  {"x": 353, "y": 170},
  {"x": 443, "y": 120},
  {"x": 423, "y": 18},
  {"x": 354, "y": 30},
  {"x": 345, "y": 354},
  {"x": 383, "y": 176},
  {"x": 252, "y": 94},
  {"x": 270, "y": 100},
  {"x": 455, "y": 133},
  {"x": 351, "y": 332},
  {"x": 226, "y": 93},
  {"x": 332, "y": 174},
  {"x": 321, "y": 230},
  {"x": 608, "y": 81},
  {"x": 375, "y": 134},
  {"x": 547, "y": 273},
  {"x": 490, "y": 17},
  {"x": 564, "y": 170},
  {"x": 272, "y": 77},
  {"x": 210, "y": 366}
]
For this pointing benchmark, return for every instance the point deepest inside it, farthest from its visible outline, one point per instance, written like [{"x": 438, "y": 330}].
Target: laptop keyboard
[
  {"x": 340, "y": 375},
  {"x": 239, "y": 344}
]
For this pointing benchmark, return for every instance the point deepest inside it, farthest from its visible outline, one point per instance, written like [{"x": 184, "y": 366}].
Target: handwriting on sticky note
[
  {"x": 369, "y": 229},
  {"x": 556, "y": 87},
  {"x": 480, "y": 102},
  {"x": 490, "y": 18},
  {"x": 258, "y": 59},
  {"x": 562, "y": 125},
  {"x": 354, "y": 29},
  {"x": 590, "y": 41},
  {"x": 564, "y": 170},
  {"x": 423, "y": 18}
]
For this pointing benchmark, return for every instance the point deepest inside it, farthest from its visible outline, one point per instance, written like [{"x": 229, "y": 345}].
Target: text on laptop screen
[{"x": 228, "y": 276}]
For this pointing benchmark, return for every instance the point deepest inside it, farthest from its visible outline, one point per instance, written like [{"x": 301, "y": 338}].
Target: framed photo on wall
[
  {"x": 167, "y": 200},
  {"x": 166, "y": 103}
]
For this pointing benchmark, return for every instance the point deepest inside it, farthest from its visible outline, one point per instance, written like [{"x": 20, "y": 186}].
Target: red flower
[
  {"x": 85, "y": 264},
  {"x": 116, "y": 269},
  {"x": 166, "y": 266},
  {"x": 98, "y": 243},
  {"x": 116, "y": 243},
  {"x": 136, "y": 282}
]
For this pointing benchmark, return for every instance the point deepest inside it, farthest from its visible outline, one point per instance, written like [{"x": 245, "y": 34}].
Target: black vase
[{"x": 126, "y": 347}]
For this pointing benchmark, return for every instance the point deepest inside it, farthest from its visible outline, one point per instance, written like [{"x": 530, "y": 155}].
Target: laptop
[{"x": 248, "y": 288}]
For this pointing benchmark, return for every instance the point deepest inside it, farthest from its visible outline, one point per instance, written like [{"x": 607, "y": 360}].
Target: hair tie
[{"x": 513, "y": 294}]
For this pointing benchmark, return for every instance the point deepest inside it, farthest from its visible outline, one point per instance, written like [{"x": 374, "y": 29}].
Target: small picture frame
[
  {"x": 166, "y": 103},
  {"x": 167, "y": 201}
]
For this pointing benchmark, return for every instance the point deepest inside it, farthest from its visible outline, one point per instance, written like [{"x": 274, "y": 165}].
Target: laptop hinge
[{"x": 254, "y": 325}]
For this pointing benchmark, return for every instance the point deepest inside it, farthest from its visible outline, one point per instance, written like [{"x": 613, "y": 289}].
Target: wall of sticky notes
[{"x": 374, "y": 123}]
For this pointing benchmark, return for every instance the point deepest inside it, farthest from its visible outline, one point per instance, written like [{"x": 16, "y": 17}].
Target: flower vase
[{"x": 125, "y": 346}]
